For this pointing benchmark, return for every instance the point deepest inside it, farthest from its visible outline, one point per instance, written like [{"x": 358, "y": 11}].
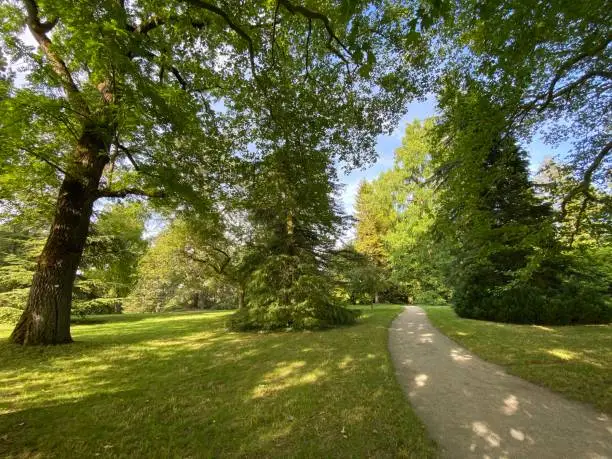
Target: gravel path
[{"x": 473, "y": 409}]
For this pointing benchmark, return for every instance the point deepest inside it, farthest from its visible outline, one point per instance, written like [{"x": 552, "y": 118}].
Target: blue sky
[{"x": 387, "y": 144}]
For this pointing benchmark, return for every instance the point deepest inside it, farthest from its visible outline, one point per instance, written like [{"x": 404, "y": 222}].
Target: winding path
[{"x": 473, "y": 409}]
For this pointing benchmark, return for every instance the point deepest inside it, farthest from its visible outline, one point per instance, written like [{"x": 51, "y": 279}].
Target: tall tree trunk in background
[
  {"x": 46, "y": 319},
  {"x": 196, "y": 300},
  {"x": 241, "y": 297}
]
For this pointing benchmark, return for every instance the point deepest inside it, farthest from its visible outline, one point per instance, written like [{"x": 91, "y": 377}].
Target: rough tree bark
[{"x": 46, "y": 319}]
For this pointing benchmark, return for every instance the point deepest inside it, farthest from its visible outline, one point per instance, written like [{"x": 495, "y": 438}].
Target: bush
[
  {"x": 429, "y": 297},
  {"x": 97, "y": 306},
  {"x": 9, "y": 315},
  {"x": 15, "y": 299},
  {"x": 562, "y": 291}
]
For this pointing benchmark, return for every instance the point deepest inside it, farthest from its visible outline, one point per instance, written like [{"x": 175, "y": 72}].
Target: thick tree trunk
[
  {"x": 241, "y": 297},
  {"x": 46, "y": 319},
  {"x": 196, "y": 300}
]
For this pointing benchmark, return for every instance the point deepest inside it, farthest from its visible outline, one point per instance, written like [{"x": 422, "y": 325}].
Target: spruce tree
[{"x": 509, "y": 264}]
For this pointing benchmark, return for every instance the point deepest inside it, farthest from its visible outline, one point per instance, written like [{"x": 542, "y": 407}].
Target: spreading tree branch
[
  {"x": 129, "y": 156},
  {"x": 45, "y": 160},
  {"x": 105, "y": 193},
  {"x": 232, "y": 25},
  {"x": 155, "y": 21},
  {"x": 568, "y": 88},
  {"x": 585, "y": 183},
  {"x": 552, "y": 93},
  {"x": 218, "y": 269},
  {"x": 153, "y": 57},
  {"x": 315, "y": 15},
  {"x": 39, "y": 31},
  {"x": 179, "y": 78}
]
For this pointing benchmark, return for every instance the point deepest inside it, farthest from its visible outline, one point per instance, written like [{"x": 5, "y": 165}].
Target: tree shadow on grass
[
  {"x": 97, "y": 319},
  {"x": 561, "y": 358},
  {"x": 194, "y": 390}
]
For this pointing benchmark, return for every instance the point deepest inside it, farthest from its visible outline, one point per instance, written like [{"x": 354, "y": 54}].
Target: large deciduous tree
[{"x": 90, "y": 105}]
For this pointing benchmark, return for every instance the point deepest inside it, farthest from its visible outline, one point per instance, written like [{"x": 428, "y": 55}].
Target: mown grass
[
  {"x": 179, "y": 385},
  {"x": 573, "y": 360}
]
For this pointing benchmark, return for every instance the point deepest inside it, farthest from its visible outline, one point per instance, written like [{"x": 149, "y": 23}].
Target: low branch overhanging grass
[
  {"x": 573, "y": 360},
  {"x": 180, "y": 385}
]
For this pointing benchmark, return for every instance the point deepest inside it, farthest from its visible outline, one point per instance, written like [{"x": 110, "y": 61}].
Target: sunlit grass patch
[
  {"x": 573, "y": 360},
  {"x": 180, "y": 385}
]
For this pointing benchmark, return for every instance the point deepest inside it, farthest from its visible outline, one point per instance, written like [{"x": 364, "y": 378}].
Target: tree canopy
[
  {"x": 182, "y": 101},
  {"x": 232, "y": 122}
]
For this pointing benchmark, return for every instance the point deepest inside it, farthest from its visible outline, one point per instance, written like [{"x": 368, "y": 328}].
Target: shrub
[
  {"x": 429, "y": 297},
  {"x": 562, "y": 291},
  {"x": 15, "y": 299},
  {"x": 97, "y": 306},
  {"x": 9, "y": 315}
]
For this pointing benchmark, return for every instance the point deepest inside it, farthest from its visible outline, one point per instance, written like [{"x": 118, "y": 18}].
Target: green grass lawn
[
  {"x": 179, "y": 385},
  {"x": 573, "y": 360}
]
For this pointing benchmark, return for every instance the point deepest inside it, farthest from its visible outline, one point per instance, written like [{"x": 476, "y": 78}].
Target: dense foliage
[
  {"x": 224, "y": 128},
  {"x": 505, "y": 250},
  {"x": 395, "y": 214},
  {"x": 107, "y": 271},
  {"x": 182, "y": 101},
  {"x": 509, "y": 247},
  {"x": 511, "y": 264},
  {"x": 184, "y": 268}
]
